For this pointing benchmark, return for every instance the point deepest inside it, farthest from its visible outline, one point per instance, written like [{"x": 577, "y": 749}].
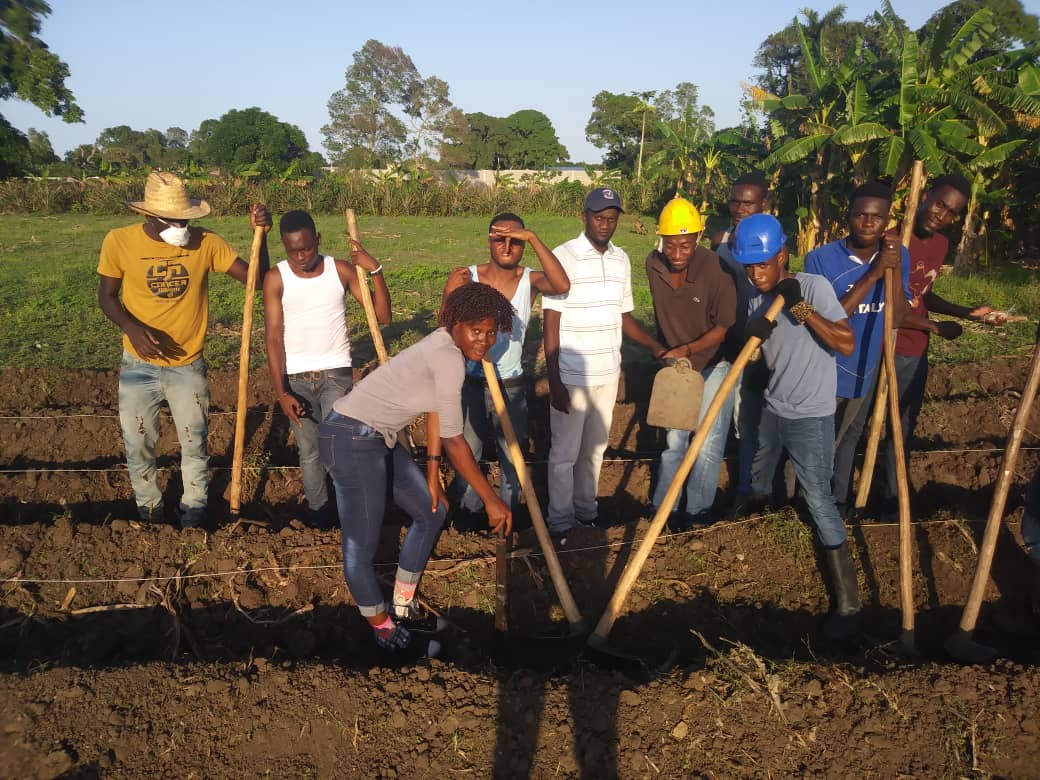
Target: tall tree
[
  {"x": 248, "y": 139},
  {"x": 623, "y": 125},
  {"x": 533, "y": 143},
  {"x": 525, "y": 139},
  {"x": 41, "y": 152},
  {"x": 382, "y": 85},
  {"x": 29, "y": 71},
  {"x": 780, "y": 56}
]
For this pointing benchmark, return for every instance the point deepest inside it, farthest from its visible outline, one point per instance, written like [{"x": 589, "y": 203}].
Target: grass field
[{"x": 49, "y": 314}]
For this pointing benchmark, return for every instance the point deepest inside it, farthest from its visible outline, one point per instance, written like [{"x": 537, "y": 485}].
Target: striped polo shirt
[{"x": 590, "y": 313}]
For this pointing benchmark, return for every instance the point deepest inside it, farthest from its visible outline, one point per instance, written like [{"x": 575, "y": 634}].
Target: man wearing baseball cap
[
  {"x": 154, "y": 286},
  {"x": 800, "y": 398},
  {"x": 583, "y": 329}
]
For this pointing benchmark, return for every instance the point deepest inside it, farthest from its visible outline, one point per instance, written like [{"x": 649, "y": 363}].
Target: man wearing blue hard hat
[{"x": 799, "y": 351}]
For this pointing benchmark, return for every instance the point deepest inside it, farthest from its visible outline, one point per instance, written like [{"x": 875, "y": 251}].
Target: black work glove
[
  {"x": 791, "y": 290},
  {"x": 949, "y": 329},
  {"x": 759, "y": 327}
]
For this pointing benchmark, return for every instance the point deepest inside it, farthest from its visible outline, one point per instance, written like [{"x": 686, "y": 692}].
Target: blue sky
[{"x": 150, "y": 64}]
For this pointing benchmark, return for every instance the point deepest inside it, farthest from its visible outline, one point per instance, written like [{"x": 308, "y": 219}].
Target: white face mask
[{"x": 175, "y": 235}]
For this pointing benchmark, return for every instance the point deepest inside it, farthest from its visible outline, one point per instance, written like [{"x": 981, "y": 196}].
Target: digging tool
[
  {"x": 405, "y": 435},
  {"x": 552, "y": 562},
  {"x": 675, "y": 401},
  {"x": 888, "y": 394},
  {"x": 877, "y": 420},
  {"x": 961, "y": 645},
  {"x": 598, "y": 638},
  {"x": 503, "y": 547},
  {"x": 243, "y": 372},
  {"x": 366, "y": 295}
]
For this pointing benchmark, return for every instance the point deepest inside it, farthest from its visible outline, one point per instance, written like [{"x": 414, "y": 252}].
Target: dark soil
[{"x": 238, "y": 653}]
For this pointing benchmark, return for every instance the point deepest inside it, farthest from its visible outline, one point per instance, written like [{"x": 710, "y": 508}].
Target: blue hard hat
[{"x": 758, "y": 238}]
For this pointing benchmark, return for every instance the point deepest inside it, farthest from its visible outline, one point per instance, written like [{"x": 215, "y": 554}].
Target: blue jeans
[
  {"x": 1031, "y": 519},
  {"x": 142, "y": 389},
  {"x": 478, "y": 413},
  {"x": 748, "y": 403},
  {"x": 364, "y": 471},
  {"x": 850, "y": 418},
  {"x": 809, "y": 443},
  {"x": 911, "y": 378},
  {"x": 704, "y": 477},
  {"x": 319, "y": 389}
]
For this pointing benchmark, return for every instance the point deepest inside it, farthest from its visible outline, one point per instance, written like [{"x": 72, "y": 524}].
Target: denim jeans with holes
[
  {"x": 319, "y": 389},
  {"x": 143, "y": 387}
]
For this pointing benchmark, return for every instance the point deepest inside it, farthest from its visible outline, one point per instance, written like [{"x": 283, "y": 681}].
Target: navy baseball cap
[{"x": 603, "y": 198}]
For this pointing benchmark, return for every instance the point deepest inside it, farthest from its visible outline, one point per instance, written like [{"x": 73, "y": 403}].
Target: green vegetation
[{"x": 49, "y": 314}]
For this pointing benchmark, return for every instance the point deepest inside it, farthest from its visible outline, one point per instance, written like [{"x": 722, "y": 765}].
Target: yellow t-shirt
[{"x": 165, "y": 287}]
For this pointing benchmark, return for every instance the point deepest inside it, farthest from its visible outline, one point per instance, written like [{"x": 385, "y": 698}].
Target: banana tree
[
  {"x": 952, "y": 109},
  {"x": 816, "y": 133}
]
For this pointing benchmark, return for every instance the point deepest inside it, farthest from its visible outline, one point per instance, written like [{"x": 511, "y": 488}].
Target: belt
[
  {"x": 315, "y": 376},
  {"x": 515, "y": 381}
]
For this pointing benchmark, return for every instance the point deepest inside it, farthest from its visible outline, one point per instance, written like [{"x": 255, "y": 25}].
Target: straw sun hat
[{"x": 166, "y": 196}]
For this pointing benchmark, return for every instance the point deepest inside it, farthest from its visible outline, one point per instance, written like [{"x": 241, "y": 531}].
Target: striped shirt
[{"x": 590, "y": 313}]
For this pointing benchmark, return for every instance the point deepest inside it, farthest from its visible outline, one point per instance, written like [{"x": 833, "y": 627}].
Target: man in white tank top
[
  {"x": 308, "y": 349},
  {"x": 507, "y": 237}
]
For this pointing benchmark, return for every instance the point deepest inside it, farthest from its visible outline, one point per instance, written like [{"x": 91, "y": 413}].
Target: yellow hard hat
[{"x": 679, "y": 218}]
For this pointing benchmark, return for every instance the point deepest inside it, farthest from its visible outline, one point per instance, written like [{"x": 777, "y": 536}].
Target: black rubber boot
[
  {"x": 1034, "y": 587},
  {"x": 844, "y": 620}
]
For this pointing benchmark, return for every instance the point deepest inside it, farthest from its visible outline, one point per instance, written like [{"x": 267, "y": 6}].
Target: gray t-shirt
[
  {"x": 425, "y": 377},
  {"x": 803, "y": 376}
]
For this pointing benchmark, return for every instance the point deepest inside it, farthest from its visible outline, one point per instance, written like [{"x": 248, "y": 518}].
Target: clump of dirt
[{"x": 129, "y": 649}]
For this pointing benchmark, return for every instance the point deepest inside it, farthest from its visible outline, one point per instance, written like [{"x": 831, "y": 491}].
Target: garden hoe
[
  {"x": 893, "y": 287},
  {"x": 675, "y": 401},
  {"x": 235, "y": 499},
  {"x": 598, "y": 638},
  {"x": 520, "y": 648},
  {"x": 405, "y": 435},
  {"x": 961, "y": 645}
]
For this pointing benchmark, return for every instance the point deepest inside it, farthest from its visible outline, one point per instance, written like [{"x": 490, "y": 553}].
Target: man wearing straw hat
[{"x": 154, "y": 286}]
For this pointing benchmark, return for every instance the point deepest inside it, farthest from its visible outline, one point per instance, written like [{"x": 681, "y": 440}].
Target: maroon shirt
[
  {"x": 706, "y": 298},
  {"x": 926, "y": 258}
]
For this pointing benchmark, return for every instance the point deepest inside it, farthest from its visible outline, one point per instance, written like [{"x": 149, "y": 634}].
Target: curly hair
[{"x": 476, "y": 301}]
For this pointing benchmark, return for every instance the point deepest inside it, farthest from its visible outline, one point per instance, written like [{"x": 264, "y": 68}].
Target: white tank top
[
  {"x": 509, "y": 347},
  {"x": 315, "y": 320}
]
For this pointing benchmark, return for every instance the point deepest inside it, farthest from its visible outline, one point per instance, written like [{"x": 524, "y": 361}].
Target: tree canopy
[
  {"x": 248, "y": 139},
  {"x": 387, "y": 110},
  {"x": 525, "y": 139},
  {"x": 29, "y": 71},
  {"x": 622, "y": 124}
]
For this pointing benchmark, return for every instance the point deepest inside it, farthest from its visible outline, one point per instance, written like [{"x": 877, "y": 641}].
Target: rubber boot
[
  {"x": 844, "y": 620},
  {"x": 1034, "y": 587}
]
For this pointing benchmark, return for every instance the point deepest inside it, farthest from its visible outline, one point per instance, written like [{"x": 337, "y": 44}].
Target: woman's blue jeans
[{"x": 366, "y": 473}]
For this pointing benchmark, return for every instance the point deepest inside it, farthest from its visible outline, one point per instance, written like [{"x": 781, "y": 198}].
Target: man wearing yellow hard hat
[{"x": 695, "y": 303}]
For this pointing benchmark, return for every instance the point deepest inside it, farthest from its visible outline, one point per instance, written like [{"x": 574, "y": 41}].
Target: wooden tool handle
[
  {"x": 996, "y": 511},
  {"x": 894, "y": 287},
  {"x": 366, "y": 296},
  {"x": 563, "y": 591},
  {"x": 635, "y": 565},
  {"x": 877, "y": 420},
  {"x": 243, "y": 371}
]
